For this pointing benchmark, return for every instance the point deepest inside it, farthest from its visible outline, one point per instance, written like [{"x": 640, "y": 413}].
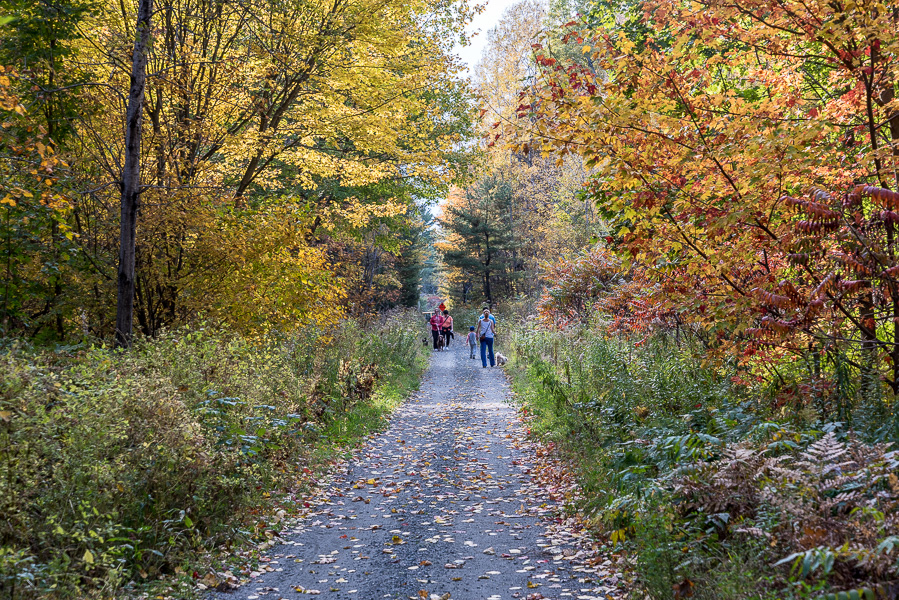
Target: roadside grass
[
  {"x": 713, "y": 494},
  {"x": 120, "y": 474},
  {"x": 354, "y": 426}
]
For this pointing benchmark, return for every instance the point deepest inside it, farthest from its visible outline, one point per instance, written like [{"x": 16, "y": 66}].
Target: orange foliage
[
  {"x": 712, "y": 127},
  {"x": 595, "y": 281}
]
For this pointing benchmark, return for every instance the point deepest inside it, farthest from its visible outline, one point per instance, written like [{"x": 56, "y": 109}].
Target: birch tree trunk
[{"x": 130, "y": 183}]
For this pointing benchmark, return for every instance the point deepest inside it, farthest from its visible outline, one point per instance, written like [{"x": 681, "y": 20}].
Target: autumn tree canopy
[
  {"x": 280, "y": 140},
  {"x": 546, "y": 217},
  {"x": 744, "y": 153}
]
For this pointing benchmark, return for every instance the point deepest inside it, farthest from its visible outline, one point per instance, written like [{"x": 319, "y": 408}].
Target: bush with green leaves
[
  {"x": 119, "y": 466},
  {"x": 716, "y": 494}
]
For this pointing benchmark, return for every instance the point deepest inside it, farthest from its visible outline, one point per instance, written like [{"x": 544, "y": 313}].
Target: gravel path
[{"x": 443, "y": 504}]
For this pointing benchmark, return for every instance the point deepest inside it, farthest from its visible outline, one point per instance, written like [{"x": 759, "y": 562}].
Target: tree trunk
[
  {"x": 869, "y": 376},
  {"x": 131, "y": 177}
]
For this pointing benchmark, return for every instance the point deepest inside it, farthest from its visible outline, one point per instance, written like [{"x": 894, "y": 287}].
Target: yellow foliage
[
  {"x": 265, "y": 127},
  {"x": 274, "y": 279}
]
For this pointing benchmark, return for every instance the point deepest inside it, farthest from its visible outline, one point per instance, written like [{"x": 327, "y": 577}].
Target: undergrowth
[
  {"x": 118, "y": 468},
  {"x": 716, "y": 494}
]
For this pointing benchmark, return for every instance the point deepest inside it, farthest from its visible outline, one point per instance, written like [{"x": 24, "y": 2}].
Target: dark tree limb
[{"x": 130, "y": 183}]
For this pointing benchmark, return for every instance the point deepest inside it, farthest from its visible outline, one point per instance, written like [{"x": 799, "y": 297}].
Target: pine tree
[
  {"x": 412, "y": 257},
  {"x": 482, "y": 232}
]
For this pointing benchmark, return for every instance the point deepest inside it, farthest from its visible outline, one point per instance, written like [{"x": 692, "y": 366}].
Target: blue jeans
[{"x": 487, "y": 343}]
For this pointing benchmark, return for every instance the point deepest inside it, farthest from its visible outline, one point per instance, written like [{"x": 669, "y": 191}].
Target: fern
[{"x": 832, "y": 508}]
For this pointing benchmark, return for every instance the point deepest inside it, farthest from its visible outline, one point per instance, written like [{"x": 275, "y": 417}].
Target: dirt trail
[{"x": 442, "y": 502}]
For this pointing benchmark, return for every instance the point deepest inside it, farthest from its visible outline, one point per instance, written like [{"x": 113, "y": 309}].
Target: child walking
[{"x": 472, "y": 341}]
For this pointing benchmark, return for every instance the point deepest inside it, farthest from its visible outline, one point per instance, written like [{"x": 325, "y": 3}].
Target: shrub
[
  {"x": 120, "y": 466},
  {"x": 719, "y": 494}
]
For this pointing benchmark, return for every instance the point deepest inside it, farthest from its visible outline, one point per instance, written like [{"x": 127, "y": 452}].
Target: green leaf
[
  {"x": 88, "y": 557},
  {"x": 829, "y": 559},
  {"x": 807, "y": 566}
]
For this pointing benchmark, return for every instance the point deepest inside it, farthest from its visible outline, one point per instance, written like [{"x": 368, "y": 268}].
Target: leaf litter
[{"x": 454, "y": 481}]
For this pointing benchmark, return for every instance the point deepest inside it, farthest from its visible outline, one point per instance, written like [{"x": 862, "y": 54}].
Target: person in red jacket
[{"x": 436, "y": 326}]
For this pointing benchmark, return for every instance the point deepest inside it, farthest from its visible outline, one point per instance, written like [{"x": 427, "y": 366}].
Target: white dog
[{"x": 500, "y": 359}]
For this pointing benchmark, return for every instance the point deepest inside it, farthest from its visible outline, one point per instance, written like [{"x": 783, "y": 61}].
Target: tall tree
[
  {"x": 42, "y": 40},
  {"x": 413, "y": 256},
  {"x": 130, "y": 183},
  {"x": 480, "y": 239},
  {"x": 29, "y": 202},
  {"x": 507, "y": 63}
]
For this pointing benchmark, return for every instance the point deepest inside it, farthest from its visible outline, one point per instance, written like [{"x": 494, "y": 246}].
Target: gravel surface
[{"x": 443, "y": 504}]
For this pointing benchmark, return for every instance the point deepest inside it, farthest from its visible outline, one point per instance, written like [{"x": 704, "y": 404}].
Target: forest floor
[{"x": 452, "y": 500}]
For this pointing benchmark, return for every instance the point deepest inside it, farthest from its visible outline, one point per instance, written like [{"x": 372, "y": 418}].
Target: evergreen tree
[
  {"x": 482, "y": 232},
  {"x": 412, "y": 257}
]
